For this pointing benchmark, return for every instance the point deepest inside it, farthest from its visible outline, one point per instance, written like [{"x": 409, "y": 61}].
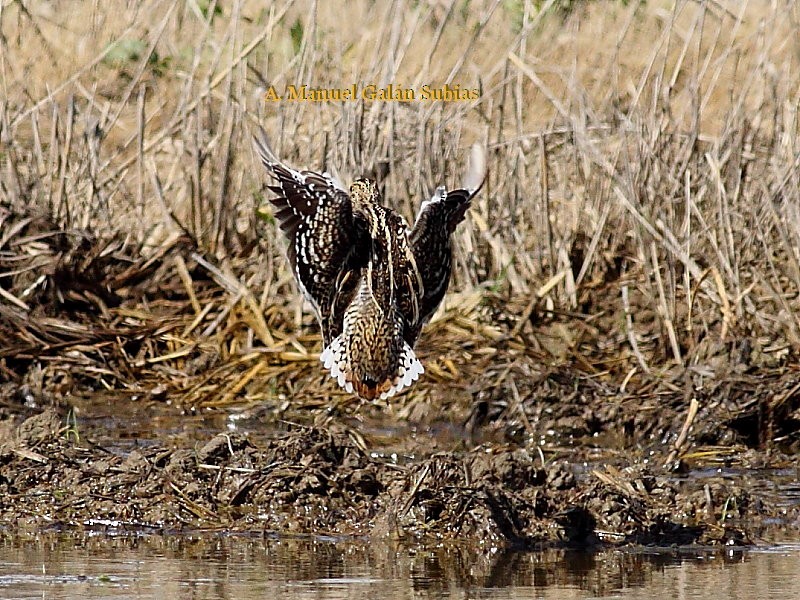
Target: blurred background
[{"x": 639, "y": 222}]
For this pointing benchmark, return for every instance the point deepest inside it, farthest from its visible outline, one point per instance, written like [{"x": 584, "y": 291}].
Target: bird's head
[{"x": 363, "y": 195}]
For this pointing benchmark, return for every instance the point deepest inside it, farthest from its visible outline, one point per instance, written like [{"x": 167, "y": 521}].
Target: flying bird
[{"x": 371, "y": 280}]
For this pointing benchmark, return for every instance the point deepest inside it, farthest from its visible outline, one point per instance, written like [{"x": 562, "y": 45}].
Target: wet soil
[
  {"x": 327, "y": 479},
  {"x": 530, "y": 427}
]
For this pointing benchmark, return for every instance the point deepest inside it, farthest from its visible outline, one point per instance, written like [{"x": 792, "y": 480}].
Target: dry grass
[{"x": 641, "y": 217}]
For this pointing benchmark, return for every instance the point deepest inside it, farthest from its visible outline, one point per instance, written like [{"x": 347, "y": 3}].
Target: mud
[
  {"x": 327, "y": 480},
  {"x": 529, "y": 428}
]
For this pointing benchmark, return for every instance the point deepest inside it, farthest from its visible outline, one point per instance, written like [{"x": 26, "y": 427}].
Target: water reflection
[{"x": 214, "y": 566}]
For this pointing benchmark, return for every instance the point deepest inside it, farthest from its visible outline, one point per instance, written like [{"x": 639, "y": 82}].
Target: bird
[
  {"x": 432, "y": 234},
  {"x": 371, "y": 280}
]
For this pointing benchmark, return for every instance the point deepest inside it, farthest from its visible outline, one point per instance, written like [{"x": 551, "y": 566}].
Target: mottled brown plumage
[
  {"x": 376, "y": 359},
  {"x": 327, "y": 247},
  {"x": 431, "y": 237},
  {"x": 372, "y": 281}
]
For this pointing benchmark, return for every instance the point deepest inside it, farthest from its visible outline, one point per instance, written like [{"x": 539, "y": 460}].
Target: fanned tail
[
  {"x": 408, "y": 372},
  {"x": 334, "y": 359}
]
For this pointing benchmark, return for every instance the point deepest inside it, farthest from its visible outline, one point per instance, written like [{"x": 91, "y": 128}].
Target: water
[
  {"x": 59, "y": 566},
  {"x": 209, "y": 566}
]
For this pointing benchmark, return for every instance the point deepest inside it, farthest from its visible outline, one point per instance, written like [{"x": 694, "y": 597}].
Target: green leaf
[
  {"x": 204, "y": 5},
  {"x": 296, "y": 32},
  {"x": 265, "y": 215},
  {"x": 125, "y": 51}
]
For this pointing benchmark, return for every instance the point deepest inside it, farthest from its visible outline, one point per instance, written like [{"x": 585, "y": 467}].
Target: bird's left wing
[{"x": 324, "y": 241}]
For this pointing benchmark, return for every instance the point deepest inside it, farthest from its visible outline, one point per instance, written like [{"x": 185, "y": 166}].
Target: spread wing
[
  {"x": 409, "y": 282},
  {"x": 431, "y": 235},
  {"x": 326, "y": 246}
]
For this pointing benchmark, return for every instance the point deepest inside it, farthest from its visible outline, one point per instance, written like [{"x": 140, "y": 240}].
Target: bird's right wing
[
  {"x": 448, "y": 208},
  {"x": 436, "y": 221}
]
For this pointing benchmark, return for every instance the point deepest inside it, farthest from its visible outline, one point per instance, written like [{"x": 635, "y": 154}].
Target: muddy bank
[
  {"x": 531, "y": 426},
  {"x": 324, "y": 480}
]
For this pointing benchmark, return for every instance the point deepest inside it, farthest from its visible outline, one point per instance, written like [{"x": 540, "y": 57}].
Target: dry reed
[{"x": 641, "y": 221}]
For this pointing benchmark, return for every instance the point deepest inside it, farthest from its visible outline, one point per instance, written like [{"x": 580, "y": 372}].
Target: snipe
[{"x": 371, "y": 280}]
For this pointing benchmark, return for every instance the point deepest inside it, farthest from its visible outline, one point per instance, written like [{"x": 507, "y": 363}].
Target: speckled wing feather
[
  {"x": 409, "y": 283},
  {"x": 431, "y": 235},
  {"x": 327, "y": 247}
]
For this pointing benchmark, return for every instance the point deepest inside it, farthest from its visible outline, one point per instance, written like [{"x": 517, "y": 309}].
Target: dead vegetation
[
  {"x": 631, "y": 267},
  {"x": 325, "y": 481}
]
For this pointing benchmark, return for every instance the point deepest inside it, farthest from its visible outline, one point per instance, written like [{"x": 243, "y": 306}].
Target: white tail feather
[
  {"x": 408, "y": 372},
  {"x": 334, "y": 360}
]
